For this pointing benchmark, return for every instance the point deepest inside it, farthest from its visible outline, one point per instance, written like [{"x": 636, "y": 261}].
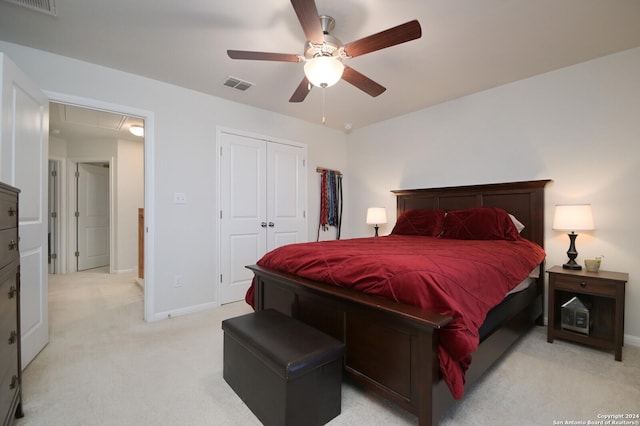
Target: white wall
[
  {"x": 579, "y": 126},
  {"x": 129, "y": 191},
  {"x": 183, "y": 161}
]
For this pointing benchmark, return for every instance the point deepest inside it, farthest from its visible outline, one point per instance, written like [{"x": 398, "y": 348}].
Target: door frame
[
  {"x": 149, "y": 186},
  {"x": 60, "y": 228}
]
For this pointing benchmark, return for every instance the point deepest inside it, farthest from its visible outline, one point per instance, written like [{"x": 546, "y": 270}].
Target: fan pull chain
[{"x": 324, "y": 120}]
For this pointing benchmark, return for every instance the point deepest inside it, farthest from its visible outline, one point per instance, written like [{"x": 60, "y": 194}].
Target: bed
[{"x": 392, "y": 348}]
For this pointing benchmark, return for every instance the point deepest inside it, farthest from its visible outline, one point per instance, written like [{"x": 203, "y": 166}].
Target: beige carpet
[{"x": 105, "y": 366}]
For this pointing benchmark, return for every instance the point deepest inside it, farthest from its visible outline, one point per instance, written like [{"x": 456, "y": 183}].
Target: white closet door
[
  {"x": 242, "y": 212},
  {"x": 286, "y": 201},
  {"x": 262, "y": 205},
  {"x": 24, "y": 148}
]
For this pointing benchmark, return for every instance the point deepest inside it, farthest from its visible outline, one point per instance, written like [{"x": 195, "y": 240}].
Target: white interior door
[
  {"x": 286, "y": 195},
  {"x": 93, "y": 216},
  {"x": 243, "y": 214},
  {"x": 24, "y": 148},
  {"x": 262, "y": 205}
]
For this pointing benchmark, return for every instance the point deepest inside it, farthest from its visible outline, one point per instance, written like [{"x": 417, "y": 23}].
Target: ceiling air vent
[
  {"x": 236, "y": 83},
  {"x": 44, "y": 6}
]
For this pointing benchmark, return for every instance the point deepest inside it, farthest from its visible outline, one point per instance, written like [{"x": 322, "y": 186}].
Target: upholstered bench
[{"x": 285, "y": 371}]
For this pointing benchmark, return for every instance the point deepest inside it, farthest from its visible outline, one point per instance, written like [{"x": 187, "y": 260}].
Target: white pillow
[{"x": 517, "y": 223}]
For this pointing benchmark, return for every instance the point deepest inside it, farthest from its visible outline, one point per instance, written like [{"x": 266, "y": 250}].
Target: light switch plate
[{"x": 180, "y": 198}]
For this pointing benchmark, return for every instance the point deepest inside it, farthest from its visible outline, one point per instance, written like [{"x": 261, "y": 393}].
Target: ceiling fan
[{"x": 324, "y": 55}]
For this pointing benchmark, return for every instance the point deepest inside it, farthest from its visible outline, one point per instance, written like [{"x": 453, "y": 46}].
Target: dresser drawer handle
[
  {"x": 12, "y": 292},
  {"x": 13, "y": 337},
  {"x": 12, "y": 211},
  {"x": 583, "y": 284},
  {"x": 14, "y": 382},
  {"x": 12, "y": 244}
]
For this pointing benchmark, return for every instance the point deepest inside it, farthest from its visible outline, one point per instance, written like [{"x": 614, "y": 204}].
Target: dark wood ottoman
[{"x": 285, "y": 371}]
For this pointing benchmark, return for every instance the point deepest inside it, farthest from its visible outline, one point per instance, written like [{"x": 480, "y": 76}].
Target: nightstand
[{"x": 603, "y": 293}]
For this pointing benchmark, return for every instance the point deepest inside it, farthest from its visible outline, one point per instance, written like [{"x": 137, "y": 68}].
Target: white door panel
[
  {"x": 262, "y": 204},
  {"x": 24, "y": 148},
  {"x": 243, "y": 210},
  {"x": 93, "y": 216},
  {"x": 285, "y": 203}
]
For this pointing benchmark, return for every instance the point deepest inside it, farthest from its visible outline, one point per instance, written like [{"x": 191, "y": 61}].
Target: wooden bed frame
[{"x": 392, "y": 348}]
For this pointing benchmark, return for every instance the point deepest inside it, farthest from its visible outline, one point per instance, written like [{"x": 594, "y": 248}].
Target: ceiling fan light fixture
[
  {"x": 323, "y": 71},
  {"x": 137, "y": 130}
]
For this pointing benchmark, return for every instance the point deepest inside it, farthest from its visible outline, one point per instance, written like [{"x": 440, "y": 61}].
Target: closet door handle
[
  {"x": 263, "y": 224},
  {"x": 271, "y": 224}
]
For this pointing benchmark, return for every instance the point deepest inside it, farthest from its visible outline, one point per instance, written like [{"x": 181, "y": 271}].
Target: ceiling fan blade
[
  {"x": 387, "y": 38},
  {"x": 262, "y": 56},
  {"x": 302, "y": 91},
  {"x": 309, "y": 20},
  {"x": 362, "y": 82}
]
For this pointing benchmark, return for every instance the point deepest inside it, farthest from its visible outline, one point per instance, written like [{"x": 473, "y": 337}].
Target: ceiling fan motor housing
[{"x": 331, "y": 46}]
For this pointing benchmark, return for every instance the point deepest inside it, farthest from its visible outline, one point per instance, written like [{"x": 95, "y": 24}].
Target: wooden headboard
[{"x": 524, "y": 200}]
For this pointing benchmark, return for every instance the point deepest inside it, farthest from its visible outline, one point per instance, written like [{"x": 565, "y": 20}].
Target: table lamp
[
  {"x": 573, "y": 217},
  {"x": 376, "y": 216}
]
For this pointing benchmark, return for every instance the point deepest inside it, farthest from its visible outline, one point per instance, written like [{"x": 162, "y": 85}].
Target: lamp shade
[
  {"x": 376, "y": 215},
  {"x": 323, "y": 71},
  {"x": 573, "y": 217}
]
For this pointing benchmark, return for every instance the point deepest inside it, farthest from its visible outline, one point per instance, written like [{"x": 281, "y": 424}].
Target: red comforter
[{"x": 462, "y": 279}]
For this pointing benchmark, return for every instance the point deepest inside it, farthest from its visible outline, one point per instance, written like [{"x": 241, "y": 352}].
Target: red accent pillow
[
  {"x": 479, "y": 223},
  {"x": 427, "y": 223}
]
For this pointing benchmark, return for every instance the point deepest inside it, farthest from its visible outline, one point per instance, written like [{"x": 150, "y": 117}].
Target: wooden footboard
[{"x": 391, "y": 348}]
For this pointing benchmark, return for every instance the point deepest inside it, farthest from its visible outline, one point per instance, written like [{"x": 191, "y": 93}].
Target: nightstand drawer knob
[{"x": 583, "y": 284}]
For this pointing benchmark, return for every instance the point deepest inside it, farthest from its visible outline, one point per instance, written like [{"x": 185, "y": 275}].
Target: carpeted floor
[{"x": 105, "y": 366}]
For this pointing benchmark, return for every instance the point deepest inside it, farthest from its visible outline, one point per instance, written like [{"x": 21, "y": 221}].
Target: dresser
[{"x": 10, "y": 368}]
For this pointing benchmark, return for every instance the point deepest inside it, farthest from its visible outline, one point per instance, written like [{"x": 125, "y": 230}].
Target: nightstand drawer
[{"x": 585, "y": 285}]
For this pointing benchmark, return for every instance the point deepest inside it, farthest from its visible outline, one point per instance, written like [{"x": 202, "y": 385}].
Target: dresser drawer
[
  {"x": 8, "y": 246},
  {"x": 9, "y": 387},
  {"x": 585, "y": 285},
  {"x": 8, "y": 211}
]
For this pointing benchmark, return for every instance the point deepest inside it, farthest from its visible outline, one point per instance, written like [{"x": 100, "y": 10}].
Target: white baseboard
[
  {"x": 631, "y": 340},
  {"x": 184, "y": 311}
]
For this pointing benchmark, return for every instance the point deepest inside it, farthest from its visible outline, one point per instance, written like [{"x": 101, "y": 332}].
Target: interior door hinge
[
  {"x": 77, "y": 254},
  {"x": 77, "y": 174},
  {"x": 77, "y": 214},
  {"x": 54, "y": 173},
  {"x": 221, "y": 278},
  {"x": 220, "y": 214},
  {"x": 54, "y": 215}
]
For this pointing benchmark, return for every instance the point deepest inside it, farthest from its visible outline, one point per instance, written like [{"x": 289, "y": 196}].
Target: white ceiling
[
  {"x": 466, "y": 46},
  {"x": 74, "y": 123}
]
